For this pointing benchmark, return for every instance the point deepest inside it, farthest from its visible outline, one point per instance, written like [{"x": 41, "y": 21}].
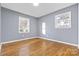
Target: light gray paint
[
  {"x": 78, "y": 24},
  {"x": 65, "y": 35},
  {"x": 10, "y": 26},
  {"x": 0, "y": 22},
  {"x": 10, "y": 21},
  {"x": 36, "y": 11}
]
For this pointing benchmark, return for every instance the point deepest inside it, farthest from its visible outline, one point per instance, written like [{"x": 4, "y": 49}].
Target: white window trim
[
  {"x": 44, "y": 28},
  {"x": 63, "y": 24},
  {"x": 28, "y": 24}
]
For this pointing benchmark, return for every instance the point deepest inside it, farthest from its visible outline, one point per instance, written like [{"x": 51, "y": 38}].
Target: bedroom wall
[
  {"x": 78, "y": 24},
  {"x": 0, "y": 22},
  {"x": 10, "y": 20},
  {"x": 65, "y": 35},
  {"x": 10, "y": 26}
]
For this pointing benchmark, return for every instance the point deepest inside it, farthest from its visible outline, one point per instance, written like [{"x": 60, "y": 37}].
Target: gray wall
[
  {"x": 65, "y": 35},
  {"x": 78, "y": 24},
  {"x": 9, "y": 25},
  {"x": 0, "y": 22}
]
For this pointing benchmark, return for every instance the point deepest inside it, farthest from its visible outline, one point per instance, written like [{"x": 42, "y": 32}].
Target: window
[
  {"x": 63, "y": 20},
  {"x": 43, "y": 28},
  {"x": 23, "y": 25}
]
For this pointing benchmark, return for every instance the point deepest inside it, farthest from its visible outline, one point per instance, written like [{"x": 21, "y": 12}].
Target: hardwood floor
[{"x": 38, "y": 47}]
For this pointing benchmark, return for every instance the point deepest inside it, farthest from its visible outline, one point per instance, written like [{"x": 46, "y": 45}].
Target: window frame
[
  {"x": 43, "y": 28},
  {"x": 21, "y": 18},
  {"x": 63, "y": 20}
]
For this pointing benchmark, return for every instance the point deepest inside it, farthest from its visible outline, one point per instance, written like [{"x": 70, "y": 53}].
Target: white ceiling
[{"x": 36, "y": 11}]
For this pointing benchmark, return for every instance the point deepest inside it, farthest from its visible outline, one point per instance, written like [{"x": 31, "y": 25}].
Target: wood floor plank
[{"x": 38, "y": 47}]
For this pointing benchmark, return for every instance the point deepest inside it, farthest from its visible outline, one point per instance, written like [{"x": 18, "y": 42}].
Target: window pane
[
  {"x": 43, "y": 28},
  {"x": 63, "y": 20},
  {"x": 23, "y": 25}
]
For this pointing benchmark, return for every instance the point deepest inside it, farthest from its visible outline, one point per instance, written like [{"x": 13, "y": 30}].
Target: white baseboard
[
  {"x": 59, "y": 41},
  {"x": 17, "y": 40},
  {"x": 39, "y": 37}
]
